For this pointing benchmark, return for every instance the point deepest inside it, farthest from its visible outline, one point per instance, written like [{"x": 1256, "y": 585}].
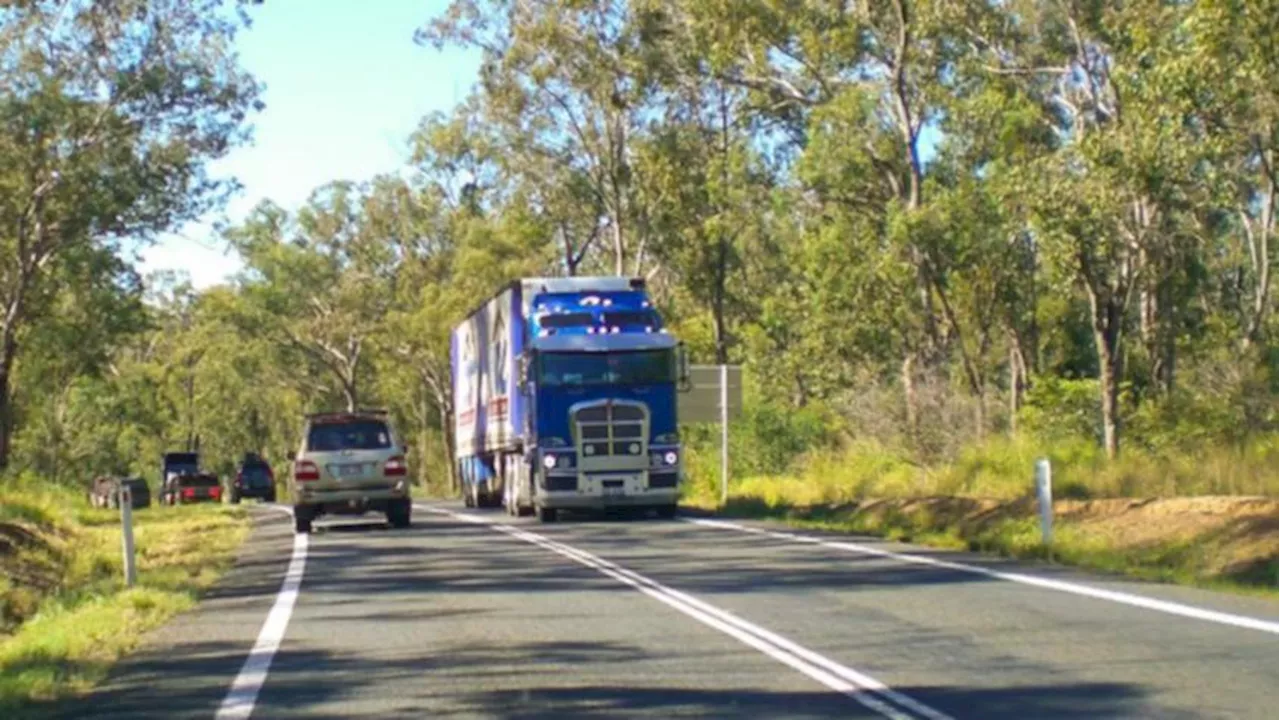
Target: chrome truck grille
[{"x": 611, "y": 429}]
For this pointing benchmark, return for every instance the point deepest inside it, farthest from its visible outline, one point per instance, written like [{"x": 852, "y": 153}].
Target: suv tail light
[
  {"x": 395, "y": 467},
  {"x": 305, "y": 471},
  {"x": 188, "y": 492},
  {"x": 215, "y": 492}
]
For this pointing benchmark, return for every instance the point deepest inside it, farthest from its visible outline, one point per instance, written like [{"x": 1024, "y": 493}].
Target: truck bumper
[{"x": 580, "y": 501}]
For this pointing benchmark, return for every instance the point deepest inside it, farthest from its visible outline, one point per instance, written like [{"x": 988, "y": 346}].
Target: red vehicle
[{"x": 192, "y": 488}]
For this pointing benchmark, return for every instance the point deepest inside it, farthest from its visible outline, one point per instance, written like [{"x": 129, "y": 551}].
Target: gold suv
[{"x": 350, "y": 463}]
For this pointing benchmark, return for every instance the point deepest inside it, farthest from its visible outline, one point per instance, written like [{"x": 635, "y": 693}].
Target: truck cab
[
  {"x": 565, "y": 398},
  {"x": 605, "y": 420}
]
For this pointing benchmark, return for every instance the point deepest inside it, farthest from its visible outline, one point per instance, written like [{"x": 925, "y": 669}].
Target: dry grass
[{"x": 1208, "y": 518}]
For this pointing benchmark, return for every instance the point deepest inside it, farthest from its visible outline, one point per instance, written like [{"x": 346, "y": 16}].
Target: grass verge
[
  {"x": 66, "y": 614},
  {"x": 1205, "y": 519},
  {"x": 1213, "y": 542}
]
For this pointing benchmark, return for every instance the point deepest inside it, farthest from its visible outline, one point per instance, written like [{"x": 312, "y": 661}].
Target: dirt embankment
[{"x": 32, "y": 562}]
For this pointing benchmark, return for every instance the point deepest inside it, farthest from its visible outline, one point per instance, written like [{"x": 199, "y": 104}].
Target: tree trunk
[
  {"x": 8, "y": 349},
  {"x": 1017, "y": 382},
  {"x": 350, "y": 394},
  {"x": 1109, "y": 360},
  {"x": 717, "y": 307},
  {"x": 912, "y": 402},
  {"x": 980, "y": 415},
  {"x": 1107, "y": 316}
]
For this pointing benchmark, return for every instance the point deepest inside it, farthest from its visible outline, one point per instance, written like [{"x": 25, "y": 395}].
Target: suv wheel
[
  {"x": 398, "y": 513},
  {"x": 270, "y": 496},
  {"x": 233, "y": 497},
  {"x": 301, "y": 522}
]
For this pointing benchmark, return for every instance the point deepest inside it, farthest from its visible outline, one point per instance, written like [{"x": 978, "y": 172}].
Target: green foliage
[
  {"x": 951, "y": 239},
  {"x": 1062, "y": 409}
]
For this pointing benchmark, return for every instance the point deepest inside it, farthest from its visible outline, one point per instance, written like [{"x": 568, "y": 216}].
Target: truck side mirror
[{"x": 684, "y": 383}]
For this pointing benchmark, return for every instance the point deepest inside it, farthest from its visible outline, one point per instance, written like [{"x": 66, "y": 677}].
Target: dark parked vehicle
[
  {"x": 104, "y": 492},
  {"x": 179, "y": 463},
  {"x": 190, "y": 488},
  {"x": 253, "y": 479}
]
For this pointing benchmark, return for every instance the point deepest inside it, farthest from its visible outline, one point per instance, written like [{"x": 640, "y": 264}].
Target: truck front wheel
[{"x": 547, "y": 515}]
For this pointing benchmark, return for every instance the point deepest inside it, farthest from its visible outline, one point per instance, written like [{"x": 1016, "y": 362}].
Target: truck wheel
[
  {"x": 547, "y": 515},
  {"x": 301, "y": 523},
  {"x": 468, "y": 498},
  {"x": 667, "y": 512}
]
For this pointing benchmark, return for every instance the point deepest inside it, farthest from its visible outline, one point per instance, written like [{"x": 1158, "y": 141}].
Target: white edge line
[
  {"x": 867, "y": 691},
  {"x": 244, "y": 690},
  {"x": 1097, "y": 593}
]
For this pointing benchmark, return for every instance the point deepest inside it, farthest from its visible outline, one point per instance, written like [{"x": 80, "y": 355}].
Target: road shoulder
[{"x": 183, "y": 669}]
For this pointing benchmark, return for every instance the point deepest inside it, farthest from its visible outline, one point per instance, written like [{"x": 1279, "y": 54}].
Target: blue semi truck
[{"x": 565, "y": 399}]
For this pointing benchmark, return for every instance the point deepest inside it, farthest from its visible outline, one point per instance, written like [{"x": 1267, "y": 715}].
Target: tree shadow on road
[{"x": 557, "y": 679}]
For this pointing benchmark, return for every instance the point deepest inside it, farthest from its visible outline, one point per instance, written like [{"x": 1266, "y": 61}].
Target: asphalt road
[{"x": 473, "y": 614}]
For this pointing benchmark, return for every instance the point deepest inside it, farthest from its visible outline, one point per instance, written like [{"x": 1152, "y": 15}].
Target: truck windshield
[
  {"x": 645, "y": 367},
  {"x": 354, "y": 435}
]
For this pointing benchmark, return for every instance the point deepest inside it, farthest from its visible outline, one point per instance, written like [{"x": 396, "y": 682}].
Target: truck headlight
[
  {"x": 565, "y": 461},
  {"x": 634, "y": 448},
  {"x": 548, "y": 461},
  {"x": 671, "y": 457}
]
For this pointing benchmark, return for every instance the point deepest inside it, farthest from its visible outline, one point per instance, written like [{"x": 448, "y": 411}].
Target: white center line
[
  {"x": 244, "y": 690},
  {"x": 1123, "y": 598},
  {"x": 864, "y": 689}
]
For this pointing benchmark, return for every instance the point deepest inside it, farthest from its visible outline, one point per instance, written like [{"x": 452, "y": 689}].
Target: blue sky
[{"x": 345, "y": 85}]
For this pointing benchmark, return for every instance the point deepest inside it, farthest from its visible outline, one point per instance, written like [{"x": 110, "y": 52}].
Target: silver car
[{"x": 350, "y": 463}]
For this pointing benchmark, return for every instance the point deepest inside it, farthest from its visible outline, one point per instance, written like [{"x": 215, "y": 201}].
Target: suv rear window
[
  {"x": 254, "y": 472},
  {"x": 349, "y": 435}
]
